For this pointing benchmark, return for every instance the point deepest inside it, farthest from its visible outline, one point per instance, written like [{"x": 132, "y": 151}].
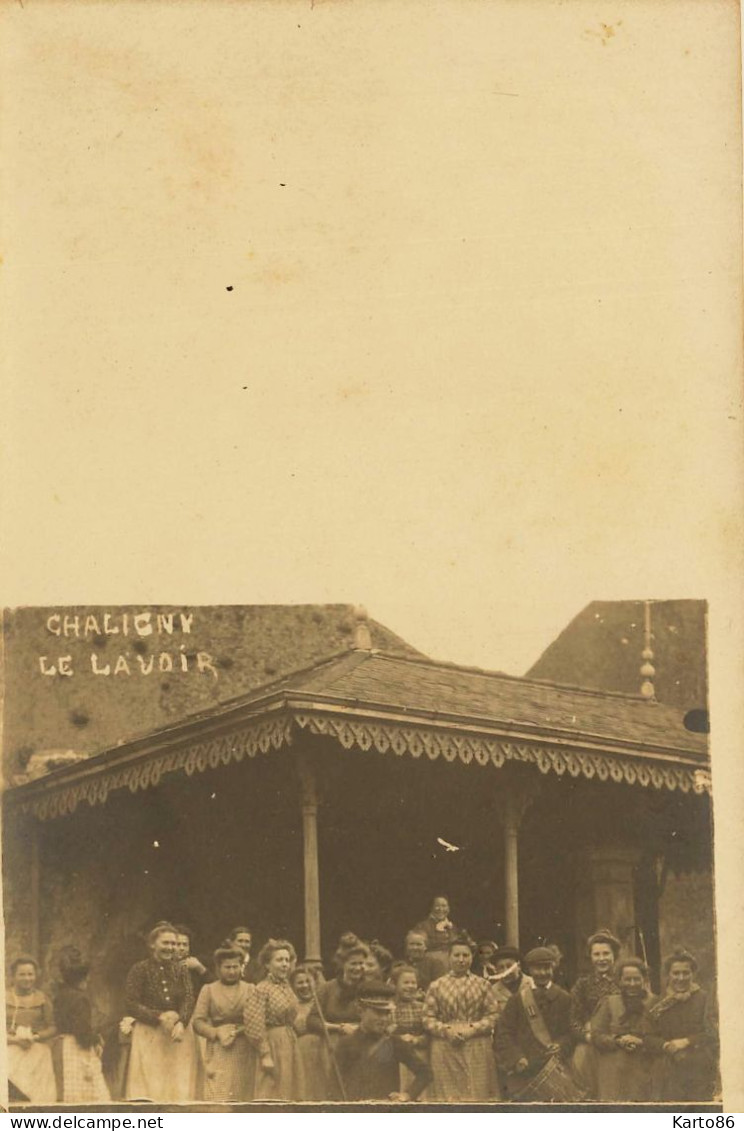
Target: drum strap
[{"x": 535, "y": 1019}]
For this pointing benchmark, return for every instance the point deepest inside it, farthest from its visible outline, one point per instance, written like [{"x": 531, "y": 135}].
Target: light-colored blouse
[
  {"x": 32, "y": 1011},
  {"x": 219, "y": 1004}
]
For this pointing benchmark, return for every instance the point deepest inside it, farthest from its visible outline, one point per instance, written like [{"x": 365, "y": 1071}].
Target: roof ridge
[
  {"x": 262, "y": 689},
  {"x": 224, "y": 706},
  {"x": 451, "y": 666}
]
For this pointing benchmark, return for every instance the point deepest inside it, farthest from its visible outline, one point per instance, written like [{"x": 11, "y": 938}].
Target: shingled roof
[
  {"x": 425, "y": 687},
  {"x": 602, "y": 646},
  {"x": 366, "y": 699}
]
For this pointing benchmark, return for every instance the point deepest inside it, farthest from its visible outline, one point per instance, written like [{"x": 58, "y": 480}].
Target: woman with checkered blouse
[{"x": 460, "y": 1011}]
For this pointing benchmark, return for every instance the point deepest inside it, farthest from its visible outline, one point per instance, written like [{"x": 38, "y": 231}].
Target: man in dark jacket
[
  {"x": 535, "y": 1023},
  {"x": 370, "y": 1059}
]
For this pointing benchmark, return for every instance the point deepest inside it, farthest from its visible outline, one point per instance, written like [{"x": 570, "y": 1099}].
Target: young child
[{"x": 409, "y": 1018}]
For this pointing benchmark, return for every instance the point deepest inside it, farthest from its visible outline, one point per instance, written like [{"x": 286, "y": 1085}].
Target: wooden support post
[
  {"x": 512, "y": 800},
  {"x": 35, "y": 888},
  {"x": 511, "y": 819},
  {"x": 309, "y": 794}
]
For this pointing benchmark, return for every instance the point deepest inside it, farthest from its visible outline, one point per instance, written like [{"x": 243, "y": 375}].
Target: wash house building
[{"x": 347, "y": 794}]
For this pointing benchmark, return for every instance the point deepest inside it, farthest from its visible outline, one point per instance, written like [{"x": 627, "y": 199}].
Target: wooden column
[
  {"x": 512, "y": 800},
  {"x": 309, "y": 799},
  {"x": 35, "y": 888},
  {"x": 510, "y": 825}
]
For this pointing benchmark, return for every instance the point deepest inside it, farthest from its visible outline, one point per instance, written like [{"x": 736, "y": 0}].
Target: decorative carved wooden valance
[
  {"x": 484, "y": 750},
  {"x": 51, "y": 798}
]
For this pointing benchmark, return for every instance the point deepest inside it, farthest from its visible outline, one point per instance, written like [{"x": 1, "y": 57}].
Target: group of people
[{"x": 448, "y": 1021}]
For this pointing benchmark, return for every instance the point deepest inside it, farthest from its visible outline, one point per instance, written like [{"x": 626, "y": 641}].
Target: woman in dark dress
[
  {"x": 335, "y": 1004},
  {"x": 620, "y": 1032},
  {"x": 77, "y": 1051},
  {"x": 587, "y": 994},
  {"x": 684, "y": 1035}
]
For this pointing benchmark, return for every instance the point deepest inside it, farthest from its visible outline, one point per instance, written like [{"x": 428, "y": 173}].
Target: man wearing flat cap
[
  {"x": 507, "y": 974},
  {"x": 369, "y": 1060},
  {"x": 535, "y": 1024}
]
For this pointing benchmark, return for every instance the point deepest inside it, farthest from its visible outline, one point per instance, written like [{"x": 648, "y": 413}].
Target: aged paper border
[{"x": 724, "y": 593}]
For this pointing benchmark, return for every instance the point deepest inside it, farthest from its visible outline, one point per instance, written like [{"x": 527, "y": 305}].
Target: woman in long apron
[
  {"x": 229, "y": 1060},
  {"x": 160, "y": 998},
  {"x": 30, "y": 1027}
]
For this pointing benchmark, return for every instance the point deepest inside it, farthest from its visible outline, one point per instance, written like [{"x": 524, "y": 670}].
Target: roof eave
[
  {"x": 294, "y": 703},
  {"x": 497, "y": 728}
]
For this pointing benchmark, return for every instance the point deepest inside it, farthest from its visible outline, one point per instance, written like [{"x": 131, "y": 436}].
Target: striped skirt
[
  {"x": 287, "y": 1081},
  {"x": 462, "y": 1072}
]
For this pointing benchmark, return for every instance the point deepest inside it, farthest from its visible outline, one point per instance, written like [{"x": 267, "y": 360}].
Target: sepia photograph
[
  {"x": 278, "y": 853},
  {"x": 372, "y": 521}
]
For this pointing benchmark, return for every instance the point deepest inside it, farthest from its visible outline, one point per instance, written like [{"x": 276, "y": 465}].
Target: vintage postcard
[
  {"x": 323, "y": 867},
  {"x": 371, "y": 652}
]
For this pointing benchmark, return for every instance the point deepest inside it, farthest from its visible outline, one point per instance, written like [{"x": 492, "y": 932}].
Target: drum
[{"x": 552, "y": 1085}]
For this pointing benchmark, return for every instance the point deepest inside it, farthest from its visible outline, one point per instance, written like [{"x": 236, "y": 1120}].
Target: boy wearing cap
[
  {"x": 369, "y": 1060},
  {"x": 507, "y": 973},
  {"x": 535, "y": 1024}
]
